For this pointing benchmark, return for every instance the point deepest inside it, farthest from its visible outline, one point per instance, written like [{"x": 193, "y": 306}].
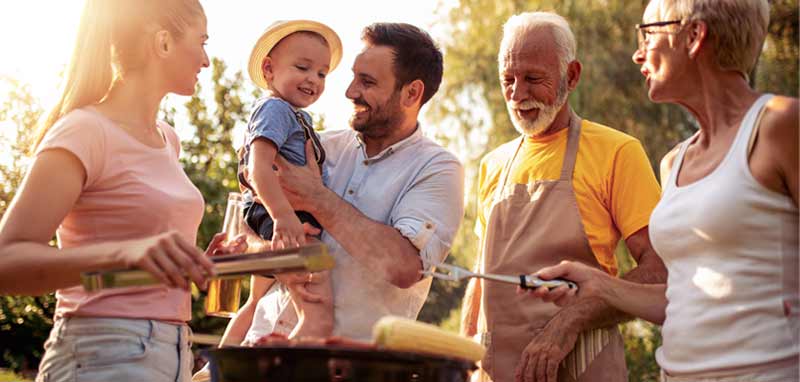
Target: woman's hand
[
  {"x": 169, "y": 258},
  {"x": 647, "y": 301},
  {"x": 288, "y": 232},
  {"x": 590, "y": 283},
  {"x": 219, "y": 245}
]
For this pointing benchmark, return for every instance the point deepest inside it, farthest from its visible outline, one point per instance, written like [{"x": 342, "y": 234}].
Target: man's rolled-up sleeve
[{"x": 429, "y": 213}]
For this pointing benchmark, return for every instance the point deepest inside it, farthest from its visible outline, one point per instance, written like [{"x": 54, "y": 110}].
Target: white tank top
[{"x": 731, "y": 248}]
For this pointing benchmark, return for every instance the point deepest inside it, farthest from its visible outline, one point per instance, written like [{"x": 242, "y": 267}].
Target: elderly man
[
  {"x": 394, "y": 197},
  {"x": 567, "y": 189}
]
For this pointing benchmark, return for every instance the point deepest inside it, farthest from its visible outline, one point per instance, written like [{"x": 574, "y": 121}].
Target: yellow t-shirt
[{"x": 614, "y": 185}]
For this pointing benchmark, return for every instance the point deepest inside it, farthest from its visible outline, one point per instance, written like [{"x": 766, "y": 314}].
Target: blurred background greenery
[{"x": 468, "y": 115}]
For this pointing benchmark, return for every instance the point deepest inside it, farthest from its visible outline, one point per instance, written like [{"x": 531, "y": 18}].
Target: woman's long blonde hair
[{"x": 110, "y": 42}]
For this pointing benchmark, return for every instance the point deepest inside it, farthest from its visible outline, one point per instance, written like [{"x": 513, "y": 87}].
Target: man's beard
[
  {"x": 380, "y": 119},
  {"x": 545, "y": 116}
]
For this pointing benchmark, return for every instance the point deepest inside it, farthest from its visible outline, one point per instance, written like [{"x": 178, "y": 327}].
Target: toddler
[{"x": 290, "y": 61}]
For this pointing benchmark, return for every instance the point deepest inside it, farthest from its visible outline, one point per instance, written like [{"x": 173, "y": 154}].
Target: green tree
[
  {"x": 210, "y": 160},
  {"x": 208, "y": 155},
  {"x": 777, "y": 70},
  {"x": 25, "y": 321},
  {"x": 19, "y": 113}
]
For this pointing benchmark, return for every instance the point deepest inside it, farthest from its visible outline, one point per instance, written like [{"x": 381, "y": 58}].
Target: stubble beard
[{"x": 380, "y": 119}]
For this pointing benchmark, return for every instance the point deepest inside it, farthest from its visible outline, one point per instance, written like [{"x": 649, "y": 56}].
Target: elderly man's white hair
[{"x": 523, "y": 23}]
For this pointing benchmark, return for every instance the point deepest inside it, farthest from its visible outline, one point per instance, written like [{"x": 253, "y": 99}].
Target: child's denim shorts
[{"x": 257, "y": 218}]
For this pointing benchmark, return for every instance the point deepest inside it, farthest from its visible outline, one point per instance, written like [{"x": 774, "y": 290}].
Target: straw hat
[{"x": 280, "y": 29}]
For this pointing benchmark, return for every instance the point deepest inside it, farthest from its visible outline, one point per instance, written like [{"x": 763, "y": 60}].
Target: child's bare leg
[
  {"x": 314, "y": 315},
  {"x": 315, "y": 319}
]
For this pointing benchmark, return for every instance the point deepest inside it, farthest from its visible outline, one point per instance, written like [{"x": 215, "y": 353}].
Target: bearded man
[
  {"x": 566, "y": 189},
  {"x": 394, "y": 198}
]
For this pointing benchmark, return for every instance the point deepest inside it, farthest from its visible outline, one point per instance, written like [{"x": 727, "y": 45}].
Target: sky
[{"x": 37, "y": 37}]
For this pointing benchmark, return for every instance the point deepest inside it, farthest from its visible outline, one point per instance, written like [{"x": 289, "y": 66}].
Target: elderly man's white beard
[{"x": 546, "y": 116}]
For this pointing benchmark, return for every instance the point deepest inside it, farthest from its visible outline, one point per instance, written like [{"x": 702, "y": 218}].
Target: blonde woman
[
  {"x": 106, "y": 179},
  {"x": 727, "y": 223}
]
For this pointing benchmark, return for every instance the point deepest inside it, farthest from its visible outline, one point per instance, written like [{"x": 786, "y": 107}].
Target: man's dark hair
[{"x": 416, "y": 56}]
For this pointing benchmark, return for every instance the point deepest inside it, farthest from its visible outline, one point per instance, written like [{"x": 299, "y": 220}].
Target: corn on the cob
[{"x": 396, "y": 333}]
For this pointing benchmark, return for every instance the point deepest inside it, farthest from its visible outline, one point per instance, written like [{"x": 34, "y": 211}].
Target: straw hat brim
[{"x": 276, "y": 32}]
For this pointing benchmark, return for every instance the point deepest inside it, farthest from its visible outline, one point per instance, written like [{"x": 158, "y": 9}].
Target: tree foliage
[
  {"x": 25, "y": 321},
  {"x": 210, "y": 161},
  {"x": 19, "y": 112}
]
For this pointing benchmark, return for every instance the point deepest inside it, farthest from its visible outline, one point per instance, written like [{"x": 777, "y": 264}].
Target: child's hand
[{"x": 288, "y": 232}]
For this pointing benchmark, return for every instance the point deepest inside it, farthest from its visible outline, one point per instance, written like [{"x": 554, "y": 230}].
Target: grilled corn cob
[{"x": 396, "y": 333}]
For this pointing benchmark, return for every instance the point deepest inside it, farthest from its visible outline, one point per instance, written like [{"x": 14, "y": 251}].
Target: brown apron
[{"x": 532, "y": 226}]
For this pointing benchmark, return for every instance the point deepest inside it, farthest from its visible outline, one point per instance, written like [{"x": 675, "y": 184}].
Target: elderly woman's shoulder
[
  {"x": 781, "y": 120},
  {"x": 782, "y": 111}
]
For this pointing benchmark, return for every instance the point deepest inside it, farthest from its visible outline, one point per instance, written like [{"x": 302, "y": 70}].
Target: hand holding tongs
[{"x": 524, "y": 281}]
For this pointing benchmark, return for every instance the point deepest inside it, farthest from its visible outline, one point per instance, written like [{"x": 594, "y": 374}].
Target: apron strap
[
  {"x": 319, "y": 151},
  {"x": 507, "y": 168},
  {"x": 571, "y": 153}
]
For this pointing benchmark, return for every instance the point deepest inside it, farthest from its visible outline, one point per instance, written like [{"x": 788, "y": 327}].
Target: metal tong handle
[
  {"x": 533, "y": 282},
  {"x": 524, "y": 281},
  {"x": 310, "y": 258}
]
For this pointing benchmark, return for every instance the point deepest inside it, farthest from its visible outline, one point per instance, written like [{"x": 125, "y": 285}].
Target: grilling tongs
[
  {"x": 455, "y": 273},
  {"x": 308, "y": 258}
]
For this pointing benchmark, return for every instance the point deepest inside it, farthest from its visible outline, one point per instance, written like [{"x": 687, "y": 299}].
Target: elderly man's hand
[
  {"x": 300, "y": 184},
  {"x": 540, "y": 360}
]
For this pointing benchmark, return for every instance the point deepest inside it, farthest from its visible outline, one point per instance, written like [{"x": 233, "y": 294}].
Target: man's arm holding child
[
  {"x": 379, "y": 245},
  {"x": 397, "y": 250}
]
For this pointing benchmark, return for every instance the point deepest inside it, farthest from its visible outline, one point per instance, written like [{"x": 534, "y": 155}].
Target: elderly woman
[{"x": 727, "y": 224}]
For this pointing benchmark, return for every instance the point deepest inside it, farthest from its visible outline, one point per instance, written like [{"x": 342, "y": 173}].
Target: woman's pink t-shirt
[{"x": 131, "y": 191}]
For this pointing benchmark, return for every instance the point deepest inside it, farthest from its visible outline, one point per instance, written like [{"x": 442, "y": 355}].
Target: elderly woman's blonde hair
[
  {"x": 736, "y": 28},
  {"x": 523, "y": 23}
]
